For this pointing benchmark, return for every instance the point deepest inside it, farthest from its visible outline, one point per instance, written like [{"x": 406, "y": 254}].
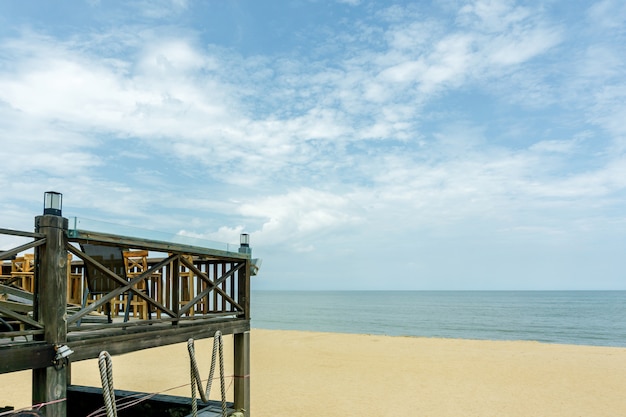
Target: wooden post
[
  {"x": 242, "y": 345},
  {"x": 50, "y": 383},
  {"x": 242, "y": 373},
  {"x": 174, "y": 283},
  {"x": 243, "y": 289}
]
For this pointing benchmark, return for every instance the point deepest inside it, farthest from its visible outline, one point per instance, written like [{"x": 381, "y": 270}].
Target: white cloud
[
  {"x": 390, "y": 127},
  {"x": 602, "y": 62},
  {"x": 609, "y": 14},
  {"x": 493, "y": 15},
  {"x": 298, "y": 215},
  {"x": 223, "y": 234},
  {"x": 350, "y": 2},
  {"x": 557, "y": 146},
  {"x": 448, "y": 63},
  {"x": 515, "y": 48},
  {"x": 157, "y": 9}
]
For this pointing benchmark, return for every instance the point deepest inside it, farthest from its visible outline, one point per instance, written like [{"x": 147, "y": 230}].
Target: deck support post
[
  {"x": 242, "y": 340},
  {"x": 242, "y": 372},
  {"x": 50, "y": 383}
]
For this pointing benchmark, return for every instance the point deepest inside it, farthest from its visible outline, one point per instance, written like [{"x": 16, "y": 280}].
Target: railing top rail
[
  {"x": 85, "y": 236},
  {"x": 21, "y": 233}
]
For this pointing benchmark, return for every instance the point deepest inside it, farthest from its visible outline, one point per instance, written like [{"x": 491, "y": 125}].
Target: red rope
[
  {"x": 132, "y": 400},
  {"x": 35, "y": 407}
]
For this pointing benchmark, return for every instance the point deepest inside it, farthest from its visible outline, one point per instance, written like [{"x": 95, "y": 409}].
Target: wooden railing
[
  {"x": 18, "y": 315},
  {"x": 184, "y": 284},
  {"x": 187, "y": 291}
]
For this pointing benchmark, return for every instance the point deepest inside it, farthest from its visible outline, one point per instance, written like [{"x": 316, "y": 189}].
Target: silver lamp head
[{"x": 52, "y": 203}]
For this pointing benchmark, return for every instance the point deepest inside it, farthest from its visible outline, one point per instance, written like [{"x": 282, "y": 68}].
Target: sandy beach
[{"x": 310, "y": 374}]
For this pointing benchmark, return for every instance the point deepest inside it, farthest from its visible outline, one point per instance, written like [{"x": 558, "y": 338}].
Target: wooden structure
[{"x": 200, "y": 290}]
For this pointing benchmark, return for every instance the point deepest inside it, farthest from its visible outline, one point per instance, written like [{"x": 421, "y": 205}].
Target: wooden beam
[
  {"x": 242, "y": 373},
  {"x": 5, "y": 289},
  {"x": 25, "y": 355},
  {"x": 89, "y": 346},
  {"x": 243, "y": 289},
  {"x": 11, "y": 309},
  {"x": 21, "y": 233},
  {"x": 12, "y": 252},
  {"x": 149, "y": 244},
  {"x": 50, "y": 383}
]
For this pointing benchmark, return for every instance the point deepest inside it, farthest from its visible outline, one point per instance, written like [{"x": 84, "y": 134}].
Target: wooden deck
[{"x": 190, "y": 292}]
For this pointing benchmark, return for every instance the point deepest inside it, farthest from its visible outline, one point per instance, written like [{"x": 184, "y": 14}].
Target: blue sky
[{"x": 362, "y": 144}]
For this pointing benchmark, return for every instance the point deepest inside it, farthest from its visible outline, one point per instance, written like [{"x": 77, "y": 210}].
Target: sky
[{"x": 363, "y": 145}]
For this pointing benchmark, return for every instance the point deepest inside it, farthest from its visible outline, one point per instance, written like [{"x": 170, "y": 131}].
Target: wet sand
[{"x": 326, "y": 374}]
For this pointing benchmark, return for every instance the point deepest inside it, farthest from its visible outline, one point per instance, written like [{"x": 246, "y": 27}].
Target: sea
[{"x": 596, "y": 318}]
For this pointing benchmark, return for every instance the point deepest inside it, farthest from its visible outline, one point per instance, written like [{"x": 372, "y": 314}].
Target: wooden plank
[
  {"x": 18, "y": 333},
  {"x": 149, "y": 244},
  {"x": 16, "y": 307},
  {"x": 21, "y": 356},
  {"x": 8, "y": 312},
  {"x": 150, "y": 323},
  {"x": 10, "y": 253},
  {"x": 147, "y": 329},
  {"x": 5, "y": 289},
  {"x": 86, "y": 347},
  {"x": 234, "y": 294},
  {"x": 175, "y": 282},
  {"x": 216, "y": 268},
  {"x": 21, "y": 233}
]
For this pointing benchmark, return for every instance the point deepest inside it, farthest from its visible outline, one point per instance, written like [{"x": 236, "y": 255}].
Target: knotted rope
[
  {"x": 106, "y": 375},
  {"x": 218, "y": 345}
]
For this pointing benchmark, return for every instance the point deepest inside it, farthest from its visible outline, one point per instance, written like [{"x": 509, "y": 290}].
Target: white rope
[
  {"x": 106, "y": 375},
  {"x": 196, "y": 381}
]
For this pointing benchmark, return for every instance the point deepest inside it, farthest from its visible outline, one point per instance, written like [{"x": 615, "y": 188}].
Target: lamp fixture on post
[
  {"x": 244, "y": 243},
  {"x": 52, "y": 203}
]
